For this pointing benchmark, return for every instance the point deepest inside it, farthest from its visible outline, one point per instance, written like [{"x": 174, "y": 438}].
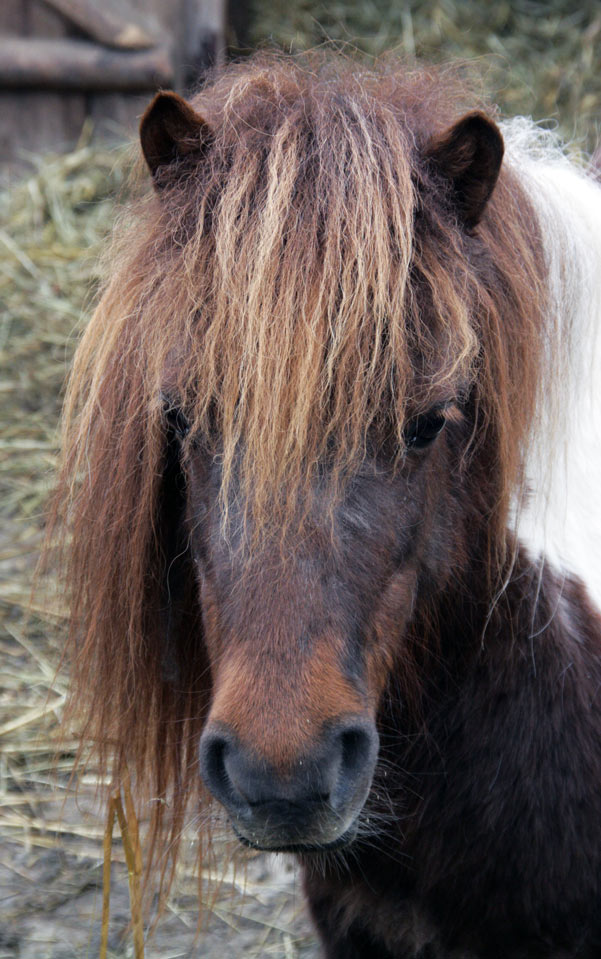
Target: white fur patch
[{"x": 560, "y": 517}]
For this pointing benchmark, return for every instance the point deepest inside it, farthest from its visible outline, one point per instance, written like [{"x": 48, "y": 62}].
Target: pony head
[{"x": 292, "y": 431}]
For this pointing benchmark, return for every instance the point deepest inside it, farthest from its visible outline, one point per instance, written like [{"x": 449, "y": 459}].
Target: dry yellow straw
[{"x": 128, "y": 825}]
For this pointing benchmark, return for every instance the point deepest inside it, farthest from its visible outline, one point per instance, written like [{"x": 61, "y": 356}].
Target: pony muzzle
[{"x": 312, "y": 803}]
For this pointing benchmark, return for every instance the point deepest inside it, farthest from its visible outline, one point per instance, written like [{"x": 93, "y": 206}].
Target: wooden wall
[{"x": 64, "y": 60}]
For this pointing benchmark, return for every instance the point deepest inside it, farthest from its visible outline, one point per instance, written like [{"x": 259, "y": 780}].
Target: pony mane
[
  {"x": 302, "y": 286},
  {"x": 555, "y": 511}
]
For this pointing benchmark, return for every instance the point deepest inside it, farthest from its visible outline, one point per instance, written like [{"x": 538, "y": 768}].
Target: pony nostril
[
  {"x": 214, "y": 748},
  {"x": 357, "y": 748},
  {"x": 214, "y": 761}
]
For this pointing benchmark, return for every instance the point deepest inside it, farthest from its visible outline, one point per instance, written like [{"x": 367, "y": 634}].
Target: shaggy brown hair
[{"x": 273, "y": 287}]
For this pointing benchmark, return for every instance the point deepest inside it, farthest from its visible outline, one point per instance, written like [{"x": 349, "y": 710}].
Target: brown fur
[
  {"x": 248, "y": 700},
  {"x": 302, "y": 285}
]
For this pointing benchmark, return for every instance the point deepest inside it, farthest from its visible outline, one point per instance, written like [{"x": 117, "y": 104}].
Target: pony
[{"x": 330, "y": 503}]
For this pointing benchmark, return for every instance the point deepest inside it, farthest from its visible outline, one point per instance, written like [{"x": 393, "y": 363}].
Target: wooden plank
[
  {"x": 29, "y": 18},
  {"x": 168, "y": 13},
  {"x": 78, "y": 65},
  {"x": 42, "y": 21},
  {"x": 117, "y": 116},
  {"x": 238, "y": 26},
  {"x": 112, "y": 23},
  {"x": 12, "y": 16},
  {"x": 203, "y": 43},
  {"x": 37, "y": 123}
]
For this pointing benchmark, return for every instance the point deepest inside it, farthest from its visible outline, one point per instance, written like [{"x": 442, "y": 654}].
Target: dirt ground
[
  {"x": 51, "y": 904},
  {"x": 51, "y": 897}
]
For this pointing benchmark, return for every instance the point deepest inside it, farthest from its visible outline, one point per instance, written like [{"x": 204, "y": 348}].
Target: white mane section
[{"x": 559, "y": 516}]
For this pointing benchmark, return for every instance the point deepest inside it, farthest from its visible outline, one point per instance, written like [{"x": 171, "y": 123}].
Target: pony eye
[{"x": 423, "y": 430}]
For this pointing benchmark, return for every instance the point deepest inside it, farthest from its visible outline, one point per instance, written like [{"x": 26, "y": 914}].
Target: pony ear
[
  {"x": 170, "y": 130},
  {"x": 469, "y": 157}
]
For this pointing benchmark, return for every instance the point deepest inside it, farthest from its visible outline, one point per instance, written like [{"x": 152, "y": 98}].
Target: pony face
[
  {"x": 303, "y": 622},
  {"x": 312, "y": 525},
  {"x": 322, "y": 282},
  {"x": 303, "y": 632}
]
